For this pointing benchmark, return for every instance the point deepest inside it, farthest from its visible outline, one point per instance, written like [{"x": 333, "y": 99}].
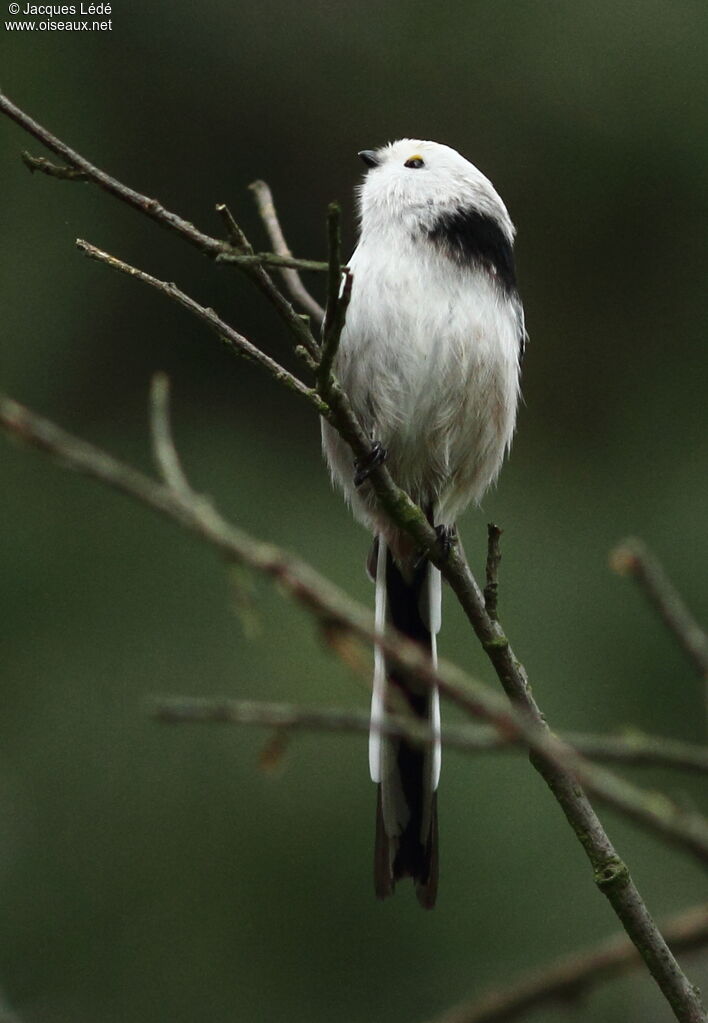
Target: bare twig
[
  {"x": 245, "y": 259},
  {"x": 632, "y": 557},
  {"x": 610, "y": 872},
  {"x": 338, "y": 296},
  {"x": 164, "y": 451},
  {"x": 150, "y": 207},
  {"x": 266, "y": 207},
  {"x": 393, "y": 500},
  {"x": 272, "y": 259},
  {"x": 234, "y": 233},
  {"x": 52, "y": 170},
  {"x": 232, "y": 339},
  {"x": 331, "y": 608},
  {"x": 491, "y": 590},
  {"x": 245, "y": 256},
  {"x": 571, "y": 976},
  {"x": 640, "y": 750},
  {"x": 213, "y": 247},
  {"x": 647, "y": 750}
]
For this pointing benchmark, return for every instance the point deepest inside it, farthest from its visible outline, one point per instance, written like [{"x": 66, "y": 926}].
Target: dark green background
[{"x": 151, "y": 874}]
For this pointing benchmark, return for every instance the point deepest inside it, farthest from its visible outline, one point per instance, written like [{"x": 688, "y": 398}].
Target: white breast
[{"x": 429, "y": 358}]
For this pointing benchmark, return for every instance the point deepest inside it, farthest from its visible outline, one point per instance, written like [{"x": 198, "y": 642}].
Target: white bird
[{"x": 429, "y": 357}]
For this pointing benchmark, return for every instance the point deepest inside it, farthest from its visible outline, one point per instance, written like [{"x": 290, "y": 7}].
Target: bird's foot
[
  {"x": 365, "y": 466},
  {"x": 447, "y": 538}
]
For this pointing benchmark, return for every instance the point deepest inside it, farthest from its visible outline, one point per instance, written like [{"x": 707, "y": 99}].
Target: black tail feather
[{"x": 413, "y": 851}]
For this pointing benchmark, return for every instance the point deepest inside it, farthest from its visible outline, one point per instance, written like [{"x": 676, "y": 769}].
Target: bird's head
[{"x": 415, "y": 182}]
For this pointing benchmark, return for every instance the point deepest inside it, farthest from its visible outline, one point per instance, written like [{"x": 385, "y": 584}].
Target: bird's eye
[{"x": 414, "y": 162}]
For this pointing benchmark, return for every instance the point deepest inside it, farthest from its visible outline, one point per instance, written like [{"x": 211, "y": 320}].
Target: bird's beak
[{"x": 369, "y": 157}]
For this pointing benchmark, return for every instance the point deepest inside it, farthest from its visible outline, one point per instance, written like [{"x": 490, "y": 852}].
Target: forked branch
[{"x": 337, "y": 614}]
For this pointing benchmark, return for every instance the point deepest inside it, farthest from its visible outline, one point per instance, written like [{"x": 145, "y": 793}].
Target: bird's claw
[
  {"x": 365, "y": 466},
  {"x": 447, "y": 538}
]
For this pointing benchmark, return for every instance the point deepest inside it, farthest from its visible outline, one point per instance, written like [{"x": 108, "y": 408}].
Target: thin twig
[
  {"x": 272, "y": 259},
  {"x": 686, "y": 829},
  {"x": 266, "y": 207},
  {"x": 334, "y": 262},
  {"x": 339, "y": 294},
  {"x": 632, "y": 557},
  {"x": 232, "y": 339},
  {"x": 213, "y": 247},
  {"x": 297, "y": 325},
  {"x": 573, "y": 975},
  {"x": 52, "y": 170},
  {"x": 639, "y": 750},
  {"x": 235, "y": 235},
  {"x": 648, "y": 750},
  {"x": 491, "y": 590},
  {"x": 150, "y": 207},
  {"x": 164, "y": 451},
  {"x": 245, "y": 256},
  {"x": 253, "y": 268}
]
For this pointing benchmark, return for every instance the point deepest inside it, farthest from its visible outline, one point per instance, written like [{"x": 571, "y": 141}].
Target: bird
[{"x": 430, "y": 358}]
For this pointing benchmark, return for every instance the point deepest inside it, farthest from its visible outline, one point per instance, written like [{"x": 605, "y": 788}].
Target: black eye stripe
[{"x": 414, "y": 162}]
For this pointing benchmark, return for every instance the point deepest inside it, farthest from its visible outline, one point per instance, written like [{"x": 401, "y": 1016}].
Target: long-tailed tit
[{"x": 429, "y": 358}]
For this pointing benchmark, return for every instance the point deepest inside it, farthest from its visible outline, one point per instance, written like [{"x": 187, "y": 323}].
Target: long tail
[{"x": 406, "y": 775}]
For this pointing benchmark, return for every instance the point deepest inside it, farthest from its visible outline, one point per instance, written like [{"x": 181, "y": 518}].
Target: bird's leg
[{"x": 365, "y": 466}]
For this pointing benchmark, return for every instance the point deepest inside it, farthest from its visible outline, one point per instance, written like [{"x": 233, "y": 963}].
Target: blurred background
[{"x": 150, "y": 873}]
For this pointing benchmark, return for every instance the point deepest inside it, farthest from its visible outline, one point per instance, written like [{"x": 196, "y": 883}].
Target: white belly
[{"x": 430, "y": 360}]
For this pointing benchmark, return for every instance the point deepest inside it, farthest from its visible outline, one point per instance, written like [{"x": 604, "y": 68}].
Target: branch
[
  {"x": 150, "y": 207},
  {"x": 571, "y": 976},
  {"x": 394, "y": 501},
  {"x": 633, "y": 558},
  {"x": 640, "y": 750},
  {"x": 243, "y": 256},
  {"x": 210, "y": 246},
  {"x": 232, "y": 339},
  {"x": 40, "y": 163},
  {"x": 271, "y": 259},
  {"x": 610, "y": 873},
  {"x": 164, "y": 451},
  {"x": 339, "y": 615},
  {"x": 491, "y": 590},
  {"x": 330, "y": 606},
  {"x": 338, "y": 297},
  {"x": 291, "y": 278},
  {"x": 646, "y": 750}
]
